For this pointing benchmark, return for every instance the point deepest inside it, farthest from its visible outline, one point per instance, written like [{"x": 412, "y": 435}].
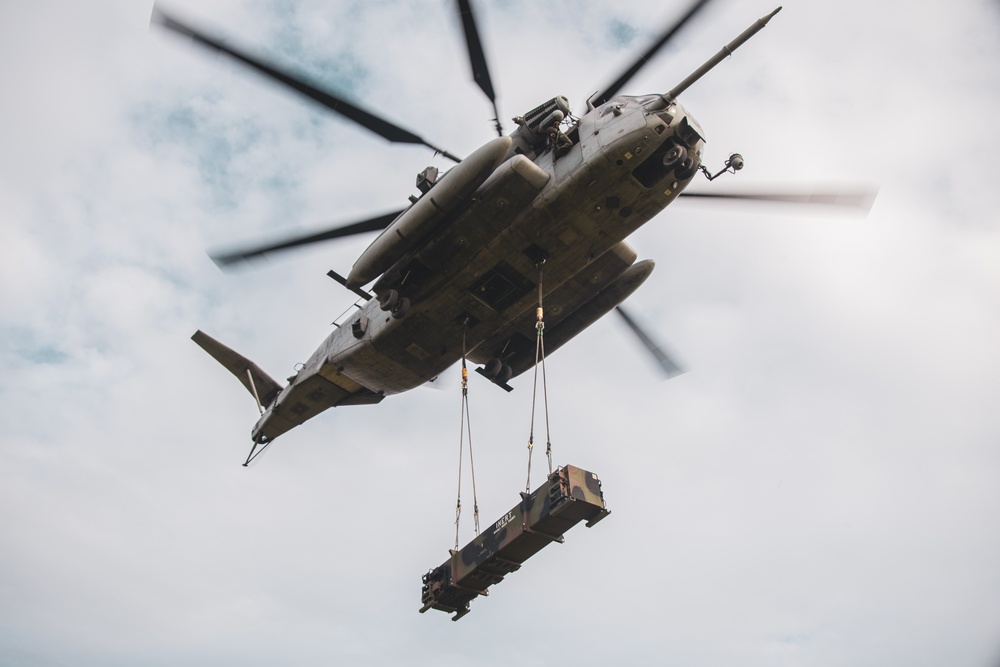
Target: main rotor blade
[
  {"x": 857, "y": 199},
  {"x": 613, "y": 89},
  {"x": 477, "y": 58},
  {"x": 369, "y": 121},
  {"x": 667, "y": 365},
  {"x": 371, "y": 225}
]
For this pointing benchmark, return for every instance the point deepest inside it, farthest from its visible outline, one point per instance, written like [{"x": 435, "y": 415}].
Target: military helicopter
[{"x": 540, "y": 213}]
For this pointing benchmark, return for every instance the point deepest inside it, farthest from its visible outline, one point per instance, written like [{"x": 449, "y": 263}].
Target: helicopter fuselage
[{"x": 556, "y": 210}]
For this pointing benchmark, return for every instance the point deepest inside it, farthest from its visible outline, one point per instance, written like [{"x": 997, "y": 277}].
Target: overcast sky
[{"x": 821, "y": 488}]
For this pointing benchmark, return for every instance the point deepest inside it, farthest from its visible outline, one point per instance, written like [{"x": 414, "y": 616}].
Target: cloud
[{"x": 816, "y": 489}]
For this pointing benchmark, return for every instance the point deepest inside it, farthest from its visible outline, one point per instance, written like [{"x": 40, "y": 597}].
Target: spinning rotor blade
[
  {"x": 613, "y": 89},
  {"x": 371, "y": 225},
  {"x": 480, "y": 70},
  {"x": 858, "y": 199},
  {"x": 667, "y": 365},
  {"x": 371, "y": 122}
]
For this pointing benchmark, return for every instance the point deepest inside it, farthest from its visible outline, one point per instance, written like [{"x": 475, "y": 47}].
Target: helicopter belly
[
  {"x": 298, "y": 402},
  {"x": 561, "y": 305},
  {"x": 595, "y": 308},
  {"x": 384, "y": 372},
  {"x": 387, "y": 354}
]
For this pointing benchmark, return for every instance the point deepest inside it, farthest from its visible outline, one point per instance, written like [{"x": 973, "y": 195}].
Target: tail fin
[{"x": 244, "y": 369}]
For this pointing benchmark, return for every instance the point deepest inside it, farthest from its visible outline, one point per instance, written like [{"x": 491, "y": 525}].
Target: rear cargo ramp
[{"x": 568, "y": 496}]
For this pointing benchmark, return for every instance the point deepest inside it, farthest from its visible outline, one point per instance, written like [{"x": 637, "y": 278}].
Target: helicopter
[{"x": 537, "y": 216}]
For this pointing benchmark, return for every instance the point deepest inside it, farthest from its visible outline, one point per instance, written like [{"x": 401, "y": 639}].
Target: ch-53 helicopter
[{"x": 459, "y": 272}]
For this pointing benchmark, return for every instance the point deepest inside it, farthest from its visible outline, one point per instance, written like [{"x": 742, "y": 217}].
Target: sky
[{"x": 822, "y": 487}]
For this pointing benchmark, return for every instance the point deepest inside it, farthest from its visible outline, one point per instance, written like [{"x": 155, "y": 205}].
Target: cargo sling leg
[
  {"x": 466, "y": 426},
  {"x": 539, "y": 361}
]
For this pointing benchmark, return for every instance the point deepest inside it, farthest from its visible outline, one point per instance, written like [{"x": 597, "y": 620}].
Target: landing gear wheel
[
  {"x": 506, "y": 373},
  {"x": 686, "y": 169},
  {"x": 493, "y": 368},
  {"x": 674, "y": 156},
  {"x": 401, "y": 308},
  {"x": 388, "y": 300}
]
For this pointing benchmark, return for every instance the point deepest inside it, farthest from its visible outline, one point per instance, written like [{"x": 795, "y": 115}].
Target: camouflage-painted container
[{"x": 569, "y": 495}]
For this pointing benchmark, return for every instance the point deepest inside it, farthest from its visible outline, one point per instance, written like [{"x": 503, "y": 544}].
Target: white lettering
[{"x": 503, "y": 522}]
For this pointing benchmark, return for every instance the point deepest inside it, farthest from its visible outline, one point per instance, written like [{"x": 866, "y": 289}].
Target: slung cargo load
[{"x": 569, "y": 495}]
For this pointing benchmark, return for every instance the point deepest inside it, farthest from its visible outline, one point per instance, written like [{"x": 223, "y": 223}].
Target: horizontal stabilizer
[{"x": 266, "y": 388}]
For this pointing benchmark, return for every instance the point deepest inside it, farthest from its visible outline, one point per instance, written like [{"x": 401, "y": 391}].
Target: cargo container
[{"x": 568, "y": 496}]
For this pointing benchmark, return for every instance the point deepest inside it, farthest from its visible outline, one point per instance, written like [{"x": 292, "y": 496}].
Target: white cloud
[{"x": 819, "y": 488}]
